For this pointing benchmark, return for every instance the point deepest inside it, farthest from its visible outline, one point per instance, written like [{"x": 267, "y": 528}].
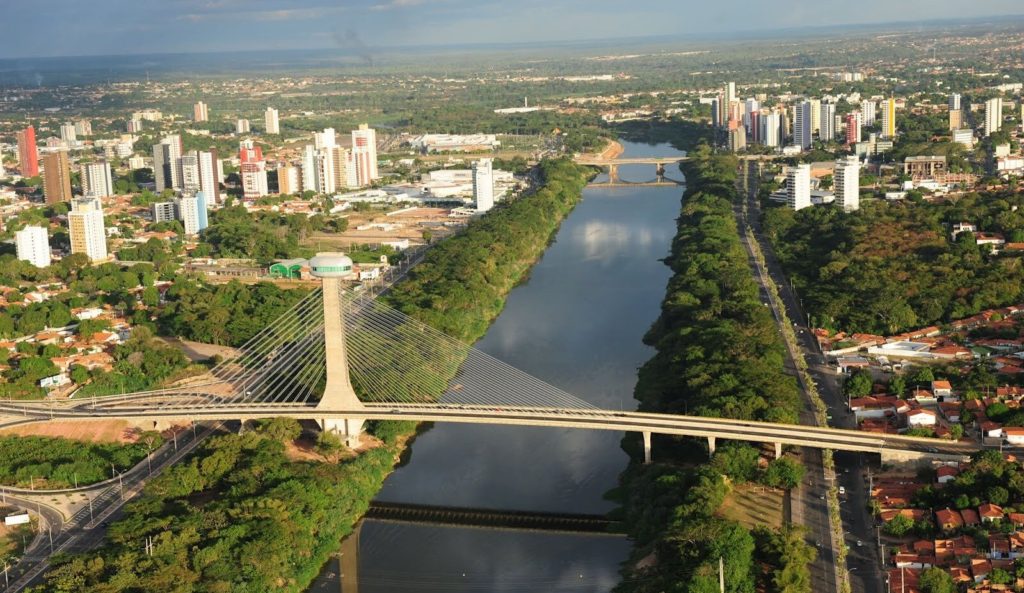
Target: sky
[{"x": 43, "y": 28}]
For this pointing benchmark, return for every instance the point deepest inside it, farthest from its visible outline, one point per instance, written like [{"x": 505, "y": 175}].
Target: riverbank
[
  {"x": 294, "y": 515},
  {"x": 718, "y": 354}
]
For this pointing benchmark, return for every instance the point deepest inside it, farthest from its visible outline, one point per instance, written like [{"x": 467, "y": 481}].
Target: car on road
[
  {"x": 932, "y": 450},
  {"x": 860, "y": 544},
  {"x": 842, "y": 490}
]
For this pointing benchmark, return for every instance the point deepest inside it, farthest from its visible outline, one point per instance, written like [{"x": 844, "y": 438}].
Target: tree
[
  {"x": 936, "y": 580},
  {"x": 898, "y": 385},
  {"x": 1000, "y": 576},
  {"x": 783, "y": 473},
  {"x": 899, "y": 526},
  {"x": 859, "y": 384},
  {"x": 329, "y": 444},
  {"x": 79, "y": 374},
  {"x": 286, "y": 430},
  {"x": 736, "y": 460}
]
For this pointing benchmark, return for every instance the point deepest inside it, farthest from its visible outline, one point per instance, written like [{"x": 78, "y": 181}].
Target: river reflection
[{"x": 578, "y": 324}]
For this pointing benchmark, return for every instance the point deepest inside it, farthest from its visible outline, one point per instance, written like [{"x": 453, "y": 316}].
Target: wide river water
[{"x": 577, "y": 323}]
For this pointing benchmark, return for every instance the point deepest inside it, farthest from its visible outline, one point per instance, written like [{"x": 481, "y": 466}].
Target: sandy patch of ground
[
  {"x": 106, "y": 431},
  {"x": 196, "y": 351}
]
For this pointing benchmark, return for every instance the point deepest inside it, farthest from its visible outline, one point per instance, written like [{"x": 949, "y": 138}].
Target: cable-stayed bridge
[{"x": 342, "y": 358}]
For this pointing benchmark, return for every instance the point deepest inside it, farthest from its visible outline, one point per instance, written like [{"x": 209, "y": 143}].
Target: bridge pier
[
  {"x": 338, "y": 392},
  {"x": 647, "y": 447},
  {"x": 348, "y": 429},
  {"x": 613, "y": 173},
  {"x": 778, "y": 450},
  {"x": 712, "y": 441}
]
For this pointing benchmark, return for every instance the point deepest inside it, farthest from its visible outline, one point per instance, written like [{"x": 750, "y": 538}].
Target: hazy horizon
[{"x": 354, "y": 26}]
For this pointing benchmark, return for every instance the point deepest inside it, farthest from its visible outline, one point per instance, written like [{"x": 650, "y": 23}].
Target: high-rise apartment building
[
  {"x": 83, "y": 127},
  {"x": 798, "y": 187},
  {"x": 68, "y": 133},
  {"x": 483, "y": 184},
  {"x": 364, "y": 153},
  {"x": 853, "y": 129},
  {"x": 96, "y": 180},
  {"x": 889, "y": 118},
  {"x": 85, "y": 226},
  {"x": 28, "y": 154},
  {"x": 956, "y": 119},
  {"x": 208, "y": 182},
  {"x": 827, "y": 129},
  {"x": 730, "y": 92},
  {"x": 190, "y": 172},
  {"x": 252, "y": 170},
  {"x": 325, "y": 181},
  {"x": 308, "y": 172},
  {"x": 192, "y": 213},
  {"x": 802, "y": 124},
  {"x": 770, "y": 127},
  {"x": 200, "y": 112},
  {"x": 993, "y": 115},
  {"x": 242, "y": 126},
  {"x": 815, "y": 116},
  {"x": 288, "y": 181},
  {"x": 163, "y": 211},
  {"x": 737, "y": 138},
  {"x": 344, "y": 168},
  {"x": 868, "y": 110},
  {"x": 56, "y": 177},
  {"x": 134, "y": 126},
  {"x": 325, "y": 139},
  {"x": 33, "y": 246},
  {"x": 273, "y": 124},
  {"x": 167, "y": 163},
  {"x": 750, "y": 107},
  {"x": 717, "y": 112},
  {"x": 954, "y": 102},
  {"x": 847, "y": 183}
]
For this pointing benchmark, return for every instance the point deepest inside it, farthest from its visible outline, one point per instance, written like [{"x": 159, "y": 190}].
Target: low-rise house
[
  {"x": 980, "y": 569},
  {"x": 946, "y": 474},
  {"x": 948, "y": 520},
  {"x": 914, "y": 561},
  {"x": 873, "y": 406},
  {"x": 1014, "y": 435},
  {"x": 922, "y": 418},
  {"x": 971, "y": 518},
  {"x": 951, "y": 411},
  {"x": 990, "y": 513},
  {"x": 992, "y": 429},
  {"x": 942, "y": 388}
]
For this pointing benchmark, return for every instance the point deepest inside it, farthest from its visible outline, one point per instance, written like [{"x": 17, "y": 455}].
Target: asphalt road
[{"x": 864, "y": 560}]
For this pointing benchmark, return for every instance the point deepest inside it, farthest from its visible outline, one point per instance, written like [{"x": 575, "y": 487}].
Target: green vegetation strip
[
  {"x": 241, "y": 516},
  {"x": 718, "y": 354},
  {"x": 53, "y": 463}
]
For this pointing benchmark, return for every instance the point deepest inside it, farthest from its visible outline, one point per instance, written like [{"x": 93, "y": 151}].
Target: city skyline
[{"x": 362, "y": 27}]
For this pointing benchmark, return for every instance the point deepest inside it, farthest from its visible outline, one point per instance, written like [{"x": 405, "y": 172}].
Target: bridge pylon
[{"x": 338, "y": 392}]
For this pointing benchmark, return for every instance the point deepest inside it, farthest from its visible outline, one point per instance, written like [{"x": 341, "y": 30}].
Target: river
[{"x": 577, "y": 323}]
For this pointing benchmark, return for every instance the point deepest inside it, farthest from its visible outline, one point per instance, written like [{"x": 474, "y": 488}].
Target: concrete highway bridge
[{"x": 310, "y": 364}]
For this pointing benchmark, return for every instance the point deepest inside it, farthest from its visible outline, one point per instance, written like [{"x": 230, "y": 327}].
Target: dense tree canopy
[{"x": 892, "y": 267}]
